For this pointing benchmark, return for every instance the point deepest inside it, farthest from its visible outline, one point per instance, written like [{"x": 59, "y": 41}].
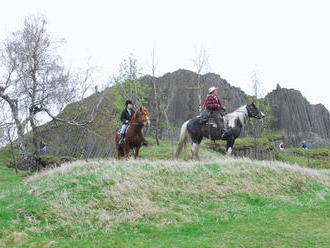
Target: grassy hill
[{"x": 219, "y": 202}]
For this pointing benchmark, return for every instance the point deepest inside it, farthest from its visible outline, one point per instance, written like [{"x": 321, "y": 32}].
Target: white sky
[{"x": 285, "y": 41}]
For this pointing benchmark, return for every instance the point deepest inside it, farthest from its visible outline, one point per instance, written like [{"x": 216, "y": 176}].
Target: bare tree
[
  {"x": 33, "y": 78},
  {"x": 5, "y": 124},
  {"x": 166, "y": 98},
  {"x": 153, "y": 66},
  {"x": 257, "y": 88},
  {"x": 201, "y": 63},
  {"x": 9, "y": 81}
]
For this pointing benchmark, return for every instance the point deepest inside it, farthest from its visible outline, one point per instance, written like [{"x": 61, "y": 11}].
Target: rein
[
  {"x": 136, "y": 123},
  {"x": 139, "y": 123}
]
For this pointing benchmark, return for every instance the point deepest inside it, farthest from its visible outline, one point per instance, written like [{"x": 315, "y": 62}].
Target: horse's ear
[{"x": 141, "y": 109}]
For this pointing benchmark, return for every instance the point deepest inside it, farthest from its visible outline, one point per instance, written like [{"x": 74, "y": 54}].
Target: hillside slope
[
  {"x": 295, "y": 116},
  {"x": 222, "y": 202}
]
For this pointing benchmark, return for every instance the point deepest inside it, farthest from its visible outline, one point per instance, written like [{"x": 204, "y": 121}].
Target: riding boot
[
  {"x": 219, "y": 122},
  {"x": 122, "y": 139}
]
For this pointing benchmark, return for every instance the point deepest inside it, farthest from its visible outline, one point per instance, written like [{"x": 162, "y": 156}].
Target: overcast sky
[{"x": 286, "y": 42}]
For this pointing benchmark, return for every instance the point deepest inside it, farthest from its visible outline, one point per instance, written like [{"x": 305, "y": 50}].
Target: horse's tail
[{"x": 183, "y": 139}]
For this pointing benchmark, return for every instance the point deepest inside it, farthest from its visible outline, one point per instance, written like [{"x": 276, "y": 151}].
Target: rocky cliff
[
  {"x": 295, "y": 116},
  {"x": 299, "y": 119},
  {"x": 178, "y": 94}
]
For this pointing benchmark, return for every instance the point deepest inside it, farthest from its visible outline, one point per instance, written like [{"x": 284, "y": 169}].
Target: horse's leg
[
  {"x": 194, "y": 150},
  {"x": 126, "y": 150},
  {"x": 184, "y": 134},
  {"x": 230, "y": 144},
  {"x": 136, "y": 153},
  {"x": 121, "y": 152},
  {"x": 118, "y": 153}
]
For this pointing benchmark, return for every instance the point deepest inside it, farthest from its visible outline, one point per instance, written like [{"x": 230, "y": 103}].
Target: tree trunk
[
  {"x": 199, "y": 93},
  {"x": 20, "y": 129},
  {"x": 22, "y": 146},
  {"x": 35, "y": 141},
  {"x": 13, "y": 104},
  {"x": 157, "y": 109}
]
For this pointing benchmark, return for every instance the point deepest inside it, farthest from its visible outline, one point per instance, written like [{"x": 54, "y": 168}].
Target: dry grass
[
  {"x": 13, "y": 239},
  {"x": 109, "y": 193}
]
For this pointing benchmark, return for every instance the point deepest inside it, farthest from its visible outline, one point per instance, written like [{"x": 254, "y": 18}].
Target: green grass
[
  {"x": 271, "y": 134},
  {"x": 166, "y": 151},
  {"x": 8, "y": 176},
  {"x": 314, "y": 158},
  {"x": 222, "y": 202},
  {"x": 304, "y": 161},
  {"x": 321, "y": 153},
  {"x": 244, "y": 143},
  {"x": 247, "y": 142}
]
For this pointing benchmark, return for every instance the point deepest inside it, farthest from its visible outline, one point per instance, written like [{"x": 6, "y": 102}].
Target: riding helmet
[{"x": 128, "y": 102}]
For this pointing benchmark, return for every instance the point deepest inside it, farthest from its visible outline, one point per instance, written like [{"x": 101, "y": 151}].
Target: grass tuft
[{"x": 91, "y": 200}]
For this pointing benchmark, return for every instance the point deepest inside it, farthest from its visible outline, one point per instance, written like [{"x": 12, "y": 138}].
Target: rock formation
[{"x": 299, "y": 119}]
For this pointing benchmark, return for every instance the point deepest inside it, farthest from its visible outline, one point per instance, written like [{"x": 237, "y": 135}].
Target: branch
[
  {"x": 72, "y": 122},
  {"x": 6, "y": 125}
]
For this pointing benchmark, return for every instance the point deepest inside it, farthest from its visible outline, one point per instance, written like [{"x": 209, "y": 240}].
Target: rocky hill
[
  {"x": 179, "y": 96},
  {"x": 296, "y": 118},
  {"x": 180, "y": 90}
]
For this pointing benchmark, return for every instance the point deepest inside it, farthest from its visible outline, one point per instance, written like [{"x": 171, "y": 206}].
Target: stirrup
[{"x": 121, "y": 141}]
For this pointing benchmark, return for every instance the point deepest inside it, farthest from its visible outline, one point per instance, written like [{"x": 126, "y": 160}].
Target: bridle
[
  {"x": 140, "y": 121},
  {"x": 250, "y": 112}
]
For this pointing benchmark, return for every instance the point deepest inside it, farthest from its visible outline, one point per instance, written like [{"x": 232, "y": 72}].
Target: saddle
[
  {"x": 204, "y": 117},
  {"x": 211, "y": 122}
]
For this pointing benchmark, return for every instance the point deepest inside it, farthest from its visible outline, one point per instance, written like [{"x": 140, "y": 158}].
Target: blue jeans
[{"x": 123, "y": 129}]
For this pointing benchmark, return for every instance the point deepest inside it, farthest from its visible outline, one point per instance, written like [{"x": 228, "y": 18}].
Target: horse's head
[
  {"x": 142, "y": 116},
  {"x": 254, "y": 112}
]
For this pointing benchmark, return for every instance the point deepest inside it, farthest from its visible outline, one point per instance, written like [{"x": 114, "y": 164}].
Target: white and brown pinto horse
[{"x": 233, "y": 122}]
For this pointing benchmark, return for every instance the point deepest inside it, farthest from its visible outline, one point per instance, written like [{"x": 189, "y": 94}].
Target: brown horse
[{"x": 134, "y": 135}]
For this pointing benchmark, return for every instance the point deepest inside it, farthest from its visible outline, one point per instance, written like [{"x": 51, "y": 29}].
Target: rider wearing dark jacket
[{"x": 126, "y": 116}]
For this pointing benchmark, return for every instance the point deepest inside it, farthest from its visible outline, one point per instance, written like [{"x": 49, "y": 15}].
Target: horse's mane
[
  {"x": 134, "y": 116},
  {"x": 239, "y": 114},
  {"x": 138, "y": 112}
]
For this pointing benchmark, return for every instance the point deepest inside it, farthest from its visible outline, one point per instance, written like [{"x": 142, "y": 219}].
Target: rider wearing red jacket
[
  {"x": 213, "y": 102},
  {"x": 215, "y": 107}
]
